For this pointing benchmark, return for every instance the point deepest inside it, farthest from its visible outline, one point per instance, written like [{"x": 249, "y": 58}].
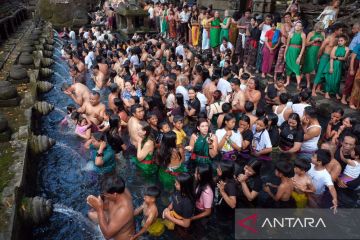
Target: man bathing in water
[
  {"x": 138, "y": 113},
  {"x": 79, "y": 92},
  {"x": 93, "y": 109},
  {"x": 99, "y": 78},
  {"x": 113, "y": 210}
]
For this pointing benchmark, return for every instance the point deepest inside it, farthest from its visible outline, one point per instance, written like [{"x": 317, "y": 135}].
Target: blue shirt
[
  {"x": 127, "y": 95},
  {"x": 355, "y": 41},
  {"x": 356, "y": 50}
]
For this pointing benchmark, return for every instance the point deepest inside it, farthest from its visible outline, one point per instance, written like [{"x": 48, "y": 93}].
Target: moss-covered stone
[{"x": 6, "y": 160}]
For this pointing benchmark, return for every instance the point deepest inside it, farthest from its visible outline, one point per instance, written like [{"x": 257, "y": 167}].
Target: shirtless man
[
  {"x": 113, "y": 210},
  {"x": 159, "y": 52},
  {"x": 325, "y": 50},
  {"x": 98, "y": 77},
  {"x": 93, "y": 109},
  {"x": 103, "y": 67},
  {"x": 283, "y": 199},
  {"x": 333, "y": 167},
  {"x": 79, "y": 64},
  {"x": 151, "y": 84},
  {"x": 210, "y": 88},
  {"x": 138, "y": 113},
  {"x": 79, "y": 92},
  {"x": 159, "y": 69},
  {"x": 237, "y": 97},
  {"x": 76, "y": 75}
]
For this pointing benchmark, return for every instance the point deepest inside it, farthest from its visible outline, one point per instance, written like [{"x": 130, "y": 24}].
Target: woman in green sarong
[
  {"x": 333, "y": 71},
  {"x": 164, "y": 26},
  {"x": 225, "y": 26},
  {"x": 169, "y": 160},
  {"x": 294, "y": 51},
  {"x": 313, "y": 43},
  {"x": 203, "y": 145},
  {"x": 144, "y": 155},
  {"x": 215, "y": 31}
]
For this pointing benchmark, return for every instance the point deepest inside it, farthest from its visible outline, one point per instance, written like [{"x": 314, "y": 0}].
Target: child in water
[
  {"x": 302, "y": 183},
  {"x": 66, "y": 120},
  {"x": 150, "y": 212},
  {"x": 164, "y": 128},
  {"x": 282, "y": 198},
  {"x": 83, "y": 128},
  {"x": 105, "y": 125}
]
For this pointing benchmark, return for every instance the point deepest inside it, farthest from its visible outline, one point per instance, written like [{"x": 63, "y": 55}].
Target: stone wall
[{"x": 67, "y": 13}]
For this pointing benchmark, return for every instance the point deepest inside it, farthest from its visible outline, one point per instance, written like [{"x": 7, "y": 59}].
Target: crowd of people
[{"x": 189, "y": 113}]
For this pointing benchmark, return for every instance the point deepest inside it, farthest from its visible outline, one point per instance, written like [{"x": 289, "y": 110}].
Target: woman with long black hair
[
  {"x": 145, "y": 149},
  {"x": 113, "y": 135},
  {"x": 291, "y": 134},
  {"x": 181, "y": 208},
  {"x": 227, "y": 190},
  {"x": 203, "y": 144},
  {"x": 204, "y": 192},
  {"x": 229, "y": 141},
  {"x": 250, "y": 184},
  {"x": 179, "y": 108},
  {"x": 169, "y": 160}
]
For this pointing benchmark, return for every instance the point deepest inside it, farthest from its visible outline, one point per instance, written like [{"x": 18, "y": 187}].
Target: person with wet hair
[
  {"x": 250, "y": 184},
  {"x": 321, "y": 179},
  {"x": 116, "y": 220},
  {"x": 150, "y": 211},
  {"x": 283, "y": 199},
  {"x": 182, "y": 206}
]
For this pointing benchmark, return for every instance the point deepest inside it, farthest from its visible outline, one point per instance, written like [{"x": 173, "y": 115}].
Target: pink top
[
  {"x": 206, "y": 199},
  {"x": 81, "y": 129}
]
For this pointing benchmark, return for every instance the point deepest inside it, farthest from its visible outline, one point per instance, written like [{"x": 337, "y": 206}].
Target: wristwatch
[{"x": 99, "y": 154}]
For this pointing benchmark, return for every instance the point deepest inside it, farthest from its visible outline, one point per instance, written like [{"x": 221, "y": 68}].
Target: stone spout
[
  {"x": 44, "y": 86},
  {"x": 47, "y": 62},
  {"x": 41, "y": 143},
  {"x": 47, "y": 53},
  {"x": 46, "y": 72},
  {"x": 36, "y": 210},
  {"x": 43, "y": 107},
  {"x": 50, "y": 41},
  {"x": 48, "y": 47}
]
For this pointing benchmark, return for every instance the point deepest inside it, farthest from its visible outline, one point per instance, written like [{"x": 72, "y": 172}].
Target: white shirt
[
  {"x": 184, "y": 92},
  {"x": 235, "y": 138},
  {"x": 265, "y": 28},
  {"x": 151, "y": 12},
  {"x": 184, "y": 17},
  {"x": 202, "y": 99},
  {"x": 225, "y": 87},
  {"x": 134, "y": 59},
  {"x": 91, "y": 55},
  {"x": 228, "y": 46},
  {"x": 352, "y": 171},
  {"x": 72, "y": 35},
  {"x": 86, "y": 35},
  {"x": 299, "y": 108},
  {"x": 179, "y": 50},
  {"x": 320, "y": 179},
  {"x": 88, "y": 62},
  {"x": 261, "y": 140}
]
